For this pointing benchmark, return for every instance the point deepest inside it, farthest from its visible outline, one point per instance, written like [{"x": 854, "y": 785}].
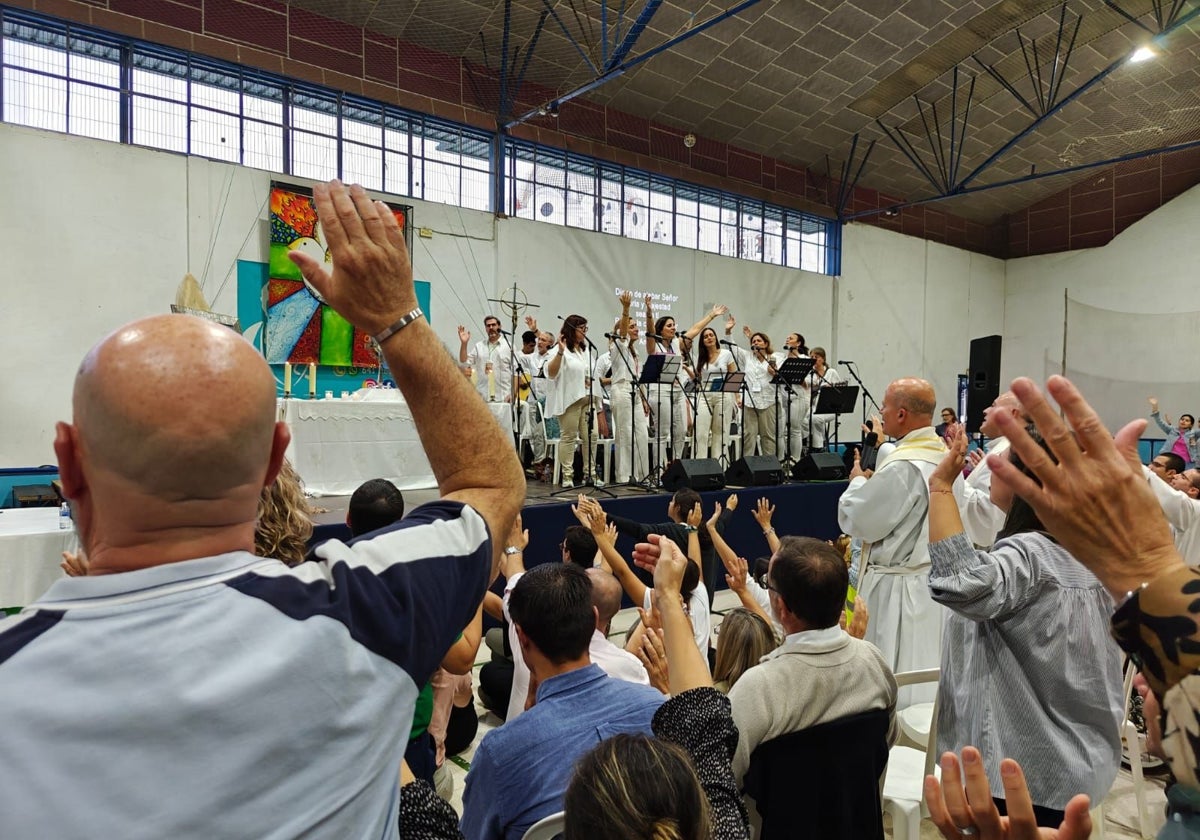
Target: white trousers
[
  {"x": 629, "y": 418},
  {"x": 713, "y": 413},
  {"x": 670, "y": 422}
]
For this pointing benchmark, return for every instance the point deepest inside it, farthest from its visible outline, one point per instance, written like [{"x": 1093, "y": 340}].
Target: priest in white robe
[
  {"x": 982, "y": 520},
  {"x": 888, "y": 510}
]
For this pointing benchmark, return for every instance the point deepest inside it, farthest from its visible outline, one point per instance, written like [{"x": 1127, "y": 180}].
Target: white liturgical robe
[
  {"x": 982, "y": 520},
  {"x": 889, "y": 512}
]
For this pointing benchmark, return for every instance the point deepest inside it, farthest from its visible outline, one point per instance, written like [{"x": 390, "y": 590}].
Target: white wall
[
  {"x": 97, "y": 234},
  {"x": 908, "y": 307},
  {"x": 1133, "y": 328}
]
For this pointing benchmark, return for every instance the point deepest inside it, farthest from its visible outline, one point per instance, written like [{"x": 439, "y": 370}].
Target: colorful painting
[{"x": 300, "y": 329}]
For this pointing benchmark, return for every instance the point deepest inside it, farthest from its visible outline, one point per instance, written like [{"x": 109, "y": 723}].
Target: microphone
[
  {"x": 655, "y": 337},
  {"x": 844, "y": 362},
  {"x": 614, "y": 336},
  {"x": 505, "y": 332},
  {"x": 729, "y": 343}
]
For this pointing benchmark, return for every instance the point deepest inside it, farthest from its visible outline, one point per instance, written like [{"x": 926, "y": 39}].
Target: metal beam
[
  {"x": 624, "y": 67},
  {"x": 503, "y": 107},
  {"x": 516, "y": 88},
  {"x": 1024, "y": 179},
  {"x": 1067, "y": 100},
  {"x": 574, "y": 42},
  {"x": 633, "y": 34}
]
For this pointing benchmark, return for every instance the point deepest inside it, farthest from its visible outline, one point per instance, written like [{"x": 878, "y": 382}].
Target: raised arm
[
  {"x": 763, "y": 512},
  {"x": 688, "y": 669},
  {"x": 651, "y": 344},
  {"x": 464, "y": 337},
  {"x": 606, "y": 541},
  {"x": 623, "y": 323},
  {"x": 944, "y": 520},
  {"x": 737, "y": 571},
  {"x": 371, "y": 286},
  {"x": 714, "y": 313}
]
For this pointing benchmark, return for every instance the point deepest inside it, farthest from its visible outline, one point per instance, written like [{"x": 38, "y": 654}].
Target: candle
[
  {"x": 287, "y": 379},
  {"x": 312, "y": 381}
]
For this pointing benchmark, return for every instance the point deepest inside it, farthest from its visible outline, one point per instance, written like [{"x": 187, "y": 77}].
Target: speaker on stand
[{"x": 983, "y": 379}]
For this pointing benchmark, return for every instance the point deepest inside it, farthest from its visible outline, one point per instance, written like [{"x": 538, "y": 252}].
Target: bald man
[
  {"x": 614, "y": 661},
  {"x": 982, "y": 520},
  {"x": 186, "y": 686},
  {"x": 888, "y": 511}
]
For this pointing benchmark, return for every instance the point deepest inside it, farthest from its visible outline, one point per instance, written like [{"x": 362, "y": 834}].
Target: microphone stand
[
  {"x": 866, "y": 393},
  {"x": 736, "y": 352}
]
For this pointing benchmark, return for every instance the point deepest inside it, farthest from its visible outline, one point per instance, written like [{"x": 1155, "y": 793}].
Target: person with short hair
[
  {"x": 190, "y": 686},
  {"x": 579, "y": 546},
  {"x": 490, "y": 361},
  {"x": 819, "y": 673},
  {"x": 1182, "y": 439},
  {"x": 888, "y": 510},
  {"x": 520, "y": 770},
  {"x": 375, "y": 504},
  {"x": 982, "y": 520},
  {"x": 1166, "y": 465}
]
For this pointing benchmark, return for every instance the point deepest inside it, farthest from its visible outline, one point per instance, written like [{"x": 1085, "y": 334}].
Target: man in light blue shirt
[{"x": 521, "y": 770}]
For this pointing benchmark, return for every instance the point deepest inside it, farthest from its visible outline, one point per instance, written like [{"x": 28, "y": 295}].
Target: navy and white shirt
[{"x": 233, "y": 696}]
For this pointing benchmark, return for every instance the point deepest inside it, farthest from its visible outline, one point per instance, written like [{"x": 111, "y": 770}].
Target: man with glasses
[
  {"x": 1167, "y": 465},
  {"x": 491, "y": 361}
]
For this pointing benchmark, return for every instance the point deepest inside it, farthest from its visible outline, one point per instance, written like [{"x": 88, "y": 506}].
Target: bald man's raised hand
[{"x": 371, "y": 283}]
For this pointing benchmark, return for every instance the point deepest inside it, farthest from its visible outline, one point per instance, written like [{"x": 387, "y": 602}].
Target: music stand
[
  {"x": 793, "y": 371},
  {"x": 837, "y": 399},
  {"x": 728, "y": 385},
  {"x": 660, "y": 369}
]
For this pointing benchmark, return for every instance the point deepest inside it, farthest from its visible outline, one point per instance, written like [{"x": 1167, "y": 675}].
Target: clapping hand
[
  {"x": 730, "y": 323},
  {"x": 951, "y": 465},
  {"x": 464, "y": 334},
  {"x": 719, "y": 310},
  {"x": 695, "y": 516},
  {"x": 626, "y": 299},
  {"x": 857, "y": 471},
  {"x": 716, "y": 514},
  {"x": 653, "y": 656}
]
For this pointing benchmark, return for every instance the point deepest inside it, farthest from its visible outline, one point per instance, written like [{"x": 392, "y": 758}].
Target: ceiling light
[{"x": 1142, "y": 54}]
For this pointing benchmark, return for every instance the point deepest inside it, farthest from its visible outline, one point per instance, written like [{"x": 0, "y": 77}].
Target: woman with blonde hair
[
  {"x": 283, "y": 525},
  {"x": 743, "y": 638}
]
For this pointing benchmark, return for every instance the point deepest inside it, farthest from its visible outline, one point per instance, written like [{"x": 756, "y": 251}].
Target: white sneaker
[
  {"x": 598, "y": 484},
  {"x": 566, "y": 482}
]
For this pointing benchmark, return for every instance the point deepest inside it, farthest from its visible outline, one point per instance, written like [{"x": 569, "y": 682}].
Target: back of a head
[
  {"x": 685, "y": 499},
  {"x": 634, "y": 786},
  {"x": 552, "y": 604},
  {"x": 375, "y": 504},
  {"x": 606, "y": 595},
  {"x": 1021, "y": 516},
  {"x": 180, "y": 408},
  {"x": 742, "y": 640},
  {"x": 283, "y": 526},
  {"x": 810, "y": 576},
  {"x": 580, "y": 545}
]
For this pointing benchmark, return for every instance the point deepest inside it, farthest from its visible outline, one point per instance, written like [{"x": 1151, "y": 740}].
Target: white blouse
[{"x": 570, "y": 385}]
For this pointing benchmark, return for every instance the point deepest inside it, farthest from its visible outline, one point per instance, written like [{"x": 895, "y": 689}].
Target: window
[{"x": 63, "y": 77}]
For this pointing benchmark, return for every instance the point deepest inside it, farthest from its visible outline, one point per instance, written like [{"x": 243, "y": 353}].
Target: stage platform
[{"x": 802, "y": 509}]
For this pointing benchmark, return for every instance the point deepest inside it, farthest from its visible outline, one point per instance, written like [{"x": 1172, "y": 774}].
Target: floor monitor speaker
[
  {"x": 755, "y": 471},
  {"x": 696, "y": 473},
  {"x": 820, "y": 466}
]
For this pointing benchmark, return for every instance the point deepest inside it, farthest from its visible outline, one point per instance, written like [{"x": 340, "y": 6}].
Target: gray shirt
[{"x": 1029, "y": 668}]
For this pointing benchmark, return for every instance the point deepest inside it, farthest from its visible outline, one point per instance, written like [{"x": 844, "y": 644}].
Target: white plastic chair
[
  {"x": 1133, "y": 748},
  {"x": 904, "y": 782},
  {"x": 547, "y": 828}
]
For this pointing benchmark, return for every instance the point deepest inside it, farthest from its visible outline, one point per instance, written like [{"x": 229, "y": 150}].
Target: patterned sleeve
[
  {"x": 1160, "y": 628},
  {"x": 426, "y": 816},
  {"x": 700, "y": 721}
]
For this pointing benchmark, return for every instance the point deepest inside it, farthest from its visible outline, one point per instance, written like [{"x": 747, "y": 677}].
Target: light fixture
[
  {"x": 541, "y": 110},
  {"x": 554, "y": 109},
  {"x": 689, "y": 140},
  {"x": 1142, "y": 54}
]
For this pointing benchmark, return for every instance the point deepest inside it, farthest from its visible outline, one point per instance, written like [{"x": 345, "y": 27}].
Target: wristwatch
[{"x": 511, "y": 550}]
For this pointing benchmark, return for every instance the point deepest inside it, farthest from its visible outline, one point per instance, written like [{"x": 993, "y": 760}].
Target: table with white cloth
[
  {"x": 31, "y": 547},
  {"x": 338, "y": 444}
]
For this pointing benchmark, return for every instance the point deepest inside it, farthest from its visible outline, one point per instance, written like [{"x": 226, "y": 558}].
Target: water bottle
[{"x": 64, "y": 517}]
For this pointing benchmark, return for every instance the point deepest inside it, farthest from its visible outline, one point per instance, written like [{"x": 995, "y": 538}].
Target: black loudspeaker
[
  {"x": 820, "y": 466},
  {"x": 755, "y": 471},
  {"x": 696, "y": 473},
  {"x": 983, "y": 378}
]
